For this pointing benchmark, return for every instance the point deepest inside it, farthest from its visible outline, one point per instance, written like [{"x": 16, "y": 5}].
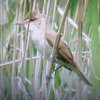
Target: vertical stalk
[
  {"x": 14, "y": 64},
  {"x": 54, "y": 11},
  {"x": 44, "y": 6},
  {"x": 1, "y": 54},
  {"x": 95, "y": 49},
  {"x": 54, "y": 51},
  {"x": 48, "y": 8},
  {"x": 80, "y": 28}
]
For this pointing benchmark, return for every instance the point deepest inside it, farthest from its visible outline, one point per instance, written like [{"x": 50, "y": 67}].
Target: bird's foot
[
  {"x": 53, "y": 59},
  {"x": 49, "y": 78}
]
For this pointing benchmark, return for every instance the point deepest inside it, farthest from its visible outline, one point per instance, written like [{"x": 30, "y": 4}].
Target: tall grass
[{"x": 23, "y": 70}]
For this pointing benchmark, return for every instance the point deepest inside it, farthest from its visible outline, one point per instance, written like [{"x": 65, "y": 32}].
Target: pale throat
[{"x": 37, "y": 35}]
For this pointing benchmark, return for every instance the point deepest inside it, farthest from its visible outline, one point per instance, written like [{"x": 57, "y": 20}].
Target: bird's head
[{"x": 31, "y": 16}]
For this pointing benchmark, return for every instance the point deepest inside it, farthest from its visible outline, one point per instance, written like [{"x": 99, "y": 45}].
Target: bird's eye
[{"x": 31, "y": 19}]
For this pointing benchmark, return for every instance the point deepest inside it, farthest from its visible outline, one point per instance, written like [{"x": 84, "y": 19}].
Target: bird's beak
[{"x": 21, "y": 22}]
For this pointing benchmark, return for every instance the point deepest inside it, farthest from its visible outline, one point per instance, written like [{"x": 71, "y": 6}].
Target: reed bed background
[{"x": 23, "y": 70}]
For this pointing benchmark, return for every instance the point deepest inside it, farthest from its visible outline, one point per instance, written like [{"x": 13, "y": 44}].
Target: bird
[{"x": 43, "y": 37}]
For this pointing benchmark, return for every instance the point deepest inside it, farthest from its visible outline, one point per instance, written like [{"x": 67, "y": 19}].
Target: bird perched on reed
[{"x": 43, "y": 37}]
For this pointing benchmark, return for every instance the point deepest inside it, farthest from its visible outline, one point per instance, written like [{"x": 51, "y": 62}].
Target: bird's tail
[
  {"x": 74, "y": 67},
  {"x": 81, "y": 75}
]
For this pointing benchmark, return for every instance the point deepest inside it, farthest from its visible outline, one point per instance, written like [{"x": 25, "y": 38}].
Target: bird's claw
[
  {"x": 53, "y": 59},
  {"x": 49, "y": 78}
]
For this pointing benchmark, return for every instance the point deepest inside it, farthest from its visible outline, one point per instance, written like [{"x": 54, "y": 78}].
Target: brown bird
[{"x": 43, "y": 37}]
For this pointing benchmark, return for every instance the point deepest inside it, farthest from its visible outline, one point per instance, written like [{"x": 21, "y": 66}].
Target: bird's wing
[
  {"x": 63, "y": 50},
  {"x": 66, "y": 58}
]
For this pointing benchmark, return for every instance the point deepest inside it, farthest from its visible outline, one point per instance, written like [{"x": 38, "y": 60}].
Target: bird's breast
[{"x": 37, "y": 35}]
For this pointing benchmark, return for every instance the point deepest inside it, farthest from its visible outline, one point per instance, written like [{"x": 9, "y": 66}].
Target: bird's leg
[
  {"x": 54, "y": 59},
  {"x": 56, "y": 69},
  {"x": 50, "y": 77}
]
